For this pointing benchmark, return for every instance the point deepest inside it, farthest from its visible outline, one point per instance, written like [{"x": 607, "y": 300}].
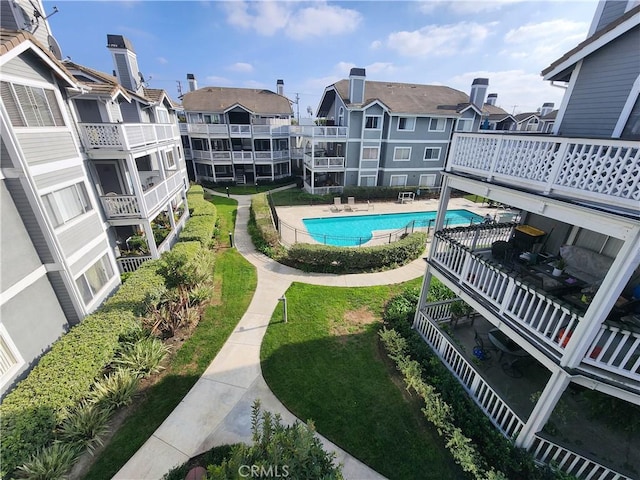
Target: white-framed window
[
  {"x": 94, "y": 279},
  {"x": 372, "y": 122},
  {"x": 212, "y": 118},
  {"x": 407, "y": 124},
  {"x": 31, "y": 106},
  {"x": 437, "y": 124},
  {"x": 368, "y": 180},
  {"x": 398, "y": 181},
  {"x": 341, "y": 117},
  {"x": 170, "y": 160},
  {"x": 401, "y": 154},
  {"x": 65, "y": 204},
  {"x": 532, "y": 125},
  {"x": 427, "y": 180},
  {"x": 432, "y": 154},
  {"x": 370, "y": 153},
  {"x": 204, "y": 170},
  {"x": 163, "y": 115},
  {"x": 10, "y": 358},
  {"x": 464, "y": 125}
]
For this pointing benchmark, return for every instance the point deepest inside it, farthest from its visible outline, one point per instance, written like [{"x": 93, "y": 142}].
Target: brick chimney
[
  {"x": 479, "y": 88},
  {"x": 356, "y": 85}
]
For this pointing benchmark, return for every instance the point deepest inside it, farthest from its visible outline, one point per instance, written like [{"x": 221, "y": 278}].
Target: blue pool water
[{"x": 357, "y": 230}]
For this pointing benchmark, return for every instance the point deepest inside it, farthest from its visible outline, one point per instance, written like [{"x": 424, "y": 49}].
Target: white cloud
[
  {"x": 518, "y": 91},
  {"x": 269, "y": 17},
  {"x": 254, "y": 84},
  {"x": 461, "y": 7},
  {"x": 376, "y": 44},
  {"x": 463, "y": 37},
  {"x": 241, "y": 67},
  {"x": 378, "y": 68},
  {"x": 162, "y": 60},
  {"x": 537, "y": 31}
]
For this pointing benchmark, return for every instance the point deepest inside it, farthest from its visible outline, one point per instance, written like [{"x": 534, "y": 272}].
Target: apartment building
[
  {"x": 237, "y": 135},
  {"x": 63, "y": 215},
  {"x": 387, "y": 133},
  {"x": 551, "y": 342}
]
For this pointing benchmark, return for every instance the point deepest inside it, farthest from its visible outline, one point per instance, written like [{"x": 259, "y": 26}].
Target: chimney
[
  {"x": 193, "y": 84},
  {"x": 356, "y": 85},
  {"x": 546, "y": 109},
  {"x": 479, "y": 88},
  {"x": 492, "y": 98},
  {"x": 280, "y": 87},
  {"x": 126, "y": 62}
]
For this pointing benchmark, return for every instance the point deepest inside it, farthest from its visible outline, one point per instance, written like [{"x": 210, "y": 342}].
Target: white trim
[
  {"x": 57, "y": 165},
  {"x": 74, "y": 222},
  {"x": 417, "y": 169},
  {"x": 634, "y": 94},
  {"x": 370, "y": 159},
  {"x": 444, "y": 128},
  {"x": 395, "y": 149},
  {"x": 391, "y": 184},
  {"x": 595, "y": 45},
  {"x": 14, "y": 352},
  {"x": 464, "y": 120},
  {"x": 78, "y": 254},
  {"x": 379, "y": 123},
  {"x": 27, "y": 44},
  {"x": 375, "y": 178},
  {"x": 567, "y": 96},
  {"x": 431, "y": 175},
  {"x": 398, "y": 129},
  {"x": 631, "y": 4},
  {"x": 596, "y": 18},
  {"x": 22, "y": 284},
  {"x": 100, "y": 293},
  {"x": 437, "y": 159}
]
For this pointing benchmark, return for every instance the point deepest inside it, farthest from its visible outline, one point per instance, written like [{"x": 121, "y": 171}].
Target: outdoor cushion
[{"x": 585, "y": 264}]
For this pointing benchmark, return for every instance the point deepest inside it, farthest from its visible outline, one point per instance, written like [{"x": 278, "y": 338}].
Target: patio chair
[
  {"x": 479, "y": 351},
  {"x": 351, "y": 204},
  {"x": 337, "y": 204}
]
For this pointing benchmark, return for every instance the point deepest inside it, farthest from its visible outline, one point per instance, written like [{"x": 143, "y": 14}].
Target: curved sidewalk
[{"x": 217, "y": 409}]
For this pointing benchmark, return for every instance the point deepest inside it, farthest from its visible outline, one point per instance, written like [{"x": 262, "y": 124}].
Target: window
[
  {"x": 372, "y": 122},
  {"x": 437, "y": 124},
  {"x": 170, "y": 160},
  {"x": 200, "y": 144},
  {"x": 464, "y": 125},
  {"x": 407, "y": 123},
  {"x": 398, "y": 181},
  {"x": 65, "y": 204},
  {"x": 10, "y": 359},
  {"x": 370, "y": 153},
  {"x": 212, "y": 118},
  {"x": 532, "y": 125},
  {"x": 185, "y": 141},
  {"x": 204, "y": 170},
  {"x": 31, "y": 106},
  {"x": 428, "y": 180},
  {"x": 401, "y": 154},
  {"x": 368, "y": 180},
  {"x": 220, "y": 145},
  {"x": 94, "y": 279},
  {"x": 341, "y": 116},
  {"x": 432, "y": 153},
  {"x": 163, "y": 116}
]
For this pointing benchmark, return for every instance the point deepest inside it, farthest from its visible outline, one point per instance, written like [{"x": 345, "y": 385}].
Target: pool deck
[{"x": 293, "y": 216}]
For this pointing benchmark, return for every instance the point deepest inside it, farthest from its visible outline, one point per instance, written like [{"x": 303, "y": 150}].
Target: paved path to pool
[{"x": 217, "y": 409}]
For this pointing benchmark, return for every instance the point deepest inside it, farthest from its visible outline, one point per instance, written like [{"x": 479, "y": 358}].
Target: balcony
[
  {"x": 271, "y": 156},
  {"x": 464, "y": 256},
  {"x": 213, "y": 130},
  {"x": 130, "y": 206},
  {"x": 215, "y": 156},
  {"x": 270, "y": 130},
  {"x": 320, "y": 132},
  {"x": 324, "y": 163},
  {"x": 242, "y": 157},
  {"x": 584, "y": 447},
  {"x": 602, "y": 171},
  {"x": 242, "y": 131},
  {"x": 126, "y": 136}
]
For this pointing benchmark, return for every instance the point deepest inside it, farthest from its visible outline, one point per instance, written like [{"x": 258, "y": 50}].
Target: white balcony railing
[
  {"x": 270, "y": 130},
  {"x": 161, "y": 193},
  {"x": 324, "y": 163},
  {"x": 131, "y": 264},
  {"x": 277, "y": 155},
  {"x": 547, "y": 452},
  {"x": 316, "y": 131},
  {"x": 605, "y": 171},
  {"x": 120, "y": 206},
  {"x": 240, "y": 130},
  {"x": 500, "y": 414},
  {"x": 551, "y": 321},
  {"x": 126, "y": 136},
  {"x": 242, "y": 156},
  {"x": 208, "y": 129}
]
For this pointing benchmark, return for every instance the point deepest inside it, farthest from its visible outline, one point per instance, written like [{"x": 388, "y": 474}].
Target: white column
[
  {"x": 137, "y": 185},
  {"x": 626, "y": 262},
  {"x": 426, "y": 283},
  {"x": 151, "y": 241},
  {"x": 545, "y": 405},
  {"x": 445, "y": 195}
]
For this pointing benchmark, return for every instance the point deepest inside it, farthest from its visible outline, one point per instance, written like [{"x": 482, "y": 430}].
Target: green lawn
[
  {"x": 246, "y": 189},
  {"x": 235, "y": 283},
  {"x": 227, "y": 209},
  {"x": 327, "y": 365}
]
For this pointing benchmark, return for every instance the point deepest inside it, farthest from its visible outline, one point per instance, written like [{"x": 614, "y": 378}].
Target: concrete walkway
[{"x": 217, "y": 409}]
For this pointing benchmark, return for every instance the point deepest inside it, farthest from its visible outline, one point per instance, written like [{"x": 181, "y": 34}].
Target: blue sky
[{"x": 311, "y": 45}]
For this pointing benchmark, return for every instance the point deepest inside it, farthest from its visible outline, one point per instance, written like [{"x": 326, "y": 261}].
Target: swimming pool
[{"x": 357, "y": 230}]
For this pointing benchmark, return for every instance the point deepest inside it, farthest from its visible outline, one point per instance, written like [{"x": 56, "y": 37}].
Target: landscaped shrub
[
  {"x": 116, "y": 389},
  {"x": 262, "y": 218},
  {"x": 292, "y": 451},
  {"x": 186, "y": 265},
  {"x": 199, "y": 229},
  {"x": 197, "y": 204},
  {"x": 327, "y": 258},
  {"x": 143, "y": 357},
  {"x": 30, "y": 413},
  {"x": 85, "y": 425},
  {"x": 142, "y": 289},
  {"x": 48, "y": 463}
]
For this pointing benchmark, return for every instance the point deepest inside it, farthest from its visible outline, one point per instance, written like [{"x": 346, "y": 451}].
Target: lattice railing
[
  {"x": 604, "y": 170},
  {"x": 126, "y": 136}
]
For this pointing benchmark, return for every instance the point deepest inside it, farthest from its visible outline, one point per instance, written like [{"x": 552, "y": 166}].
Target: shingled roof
[
  {"x": 408, "y": 97},
  {"x": 220, "y": 99},
  {"x": 495, "y": 114}
]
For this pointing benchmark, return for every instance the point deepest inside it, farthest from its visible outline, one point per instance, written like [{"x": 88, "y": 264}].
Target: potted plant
[
  {"x": 459, "y": 310},
  {"x": 558, "y": 267}
]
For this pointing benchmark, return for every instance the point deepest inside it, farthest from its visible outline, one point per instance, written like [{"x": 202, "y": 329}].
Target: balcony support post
[
  {"x": 424, "y": 292},
  {"x": 151, "y": 241},
  {"x": 543, "y": 408},
  {"x": 137, "y": 186},
  {"x": 445, "y": 195},
  {"x": 496, "y": 156},
  {"x": 626, "y": 262},
  {"x": 559, "y": 159}
]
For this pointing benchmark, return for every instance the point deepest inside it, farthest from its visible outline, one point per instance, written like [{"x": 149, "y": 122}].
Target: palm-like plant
[
  {"x": 86, "y": 425},
  {"x": 143, "y": 357},
  {"x": 116, "y": 389},
  {"x": 52, "y": 462}
]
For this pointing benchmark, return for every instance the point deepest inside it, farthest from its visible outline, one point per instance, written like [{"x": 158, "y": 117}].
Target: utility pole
[
  {"x": 514, "y": 109},
  {"x": 179, "y": 88},
  {"x": 298, "y": 107}
]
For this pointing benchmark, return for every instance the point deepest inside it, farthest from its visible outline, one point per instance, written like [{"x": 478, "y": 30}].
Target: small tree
[{"x": 292, "y": 451}]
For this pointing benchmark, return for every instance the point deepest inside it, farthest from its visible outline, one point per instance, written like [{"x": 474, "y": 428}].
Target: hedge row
[
  {"x": 65, "y": 374},
  {"x": 330, "y": 259},
  {"x": 262, "y": 217},
  {"x": 198, "y": 206}
]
